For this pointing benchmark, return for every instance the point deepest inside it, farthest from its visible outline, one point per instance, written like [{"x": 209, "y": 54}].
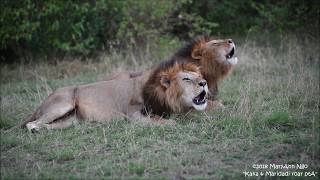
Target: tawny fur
[
  {"x": 162, "y": 100},
  {"x": 210, "y": 60},
  {"x": 114, "y": 99},
  {"x": 208, "y": 53}
]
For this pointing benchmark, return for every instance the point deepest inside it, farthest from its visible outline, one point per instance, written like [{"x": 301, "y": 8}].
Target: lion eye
[{"x": 186, "y": 79}]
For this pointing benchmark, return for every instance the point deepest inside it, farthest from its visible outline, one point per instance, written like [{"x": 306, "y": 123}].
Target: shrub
[
  {"x": 82, "y": 27},
  {"x": 48, "y": 27}
]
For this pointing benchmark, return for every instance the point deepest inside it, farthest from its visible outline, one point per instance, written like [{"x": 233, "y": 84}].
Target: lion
[
  {"x": 162, "y": 90},
  {"x": 180, "y": 88},
  {"x": 215, "y": 58}
]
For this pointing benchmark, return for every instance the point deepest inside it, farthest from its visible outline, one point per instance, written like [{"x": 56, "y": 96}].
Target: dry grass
[{"x": 272, "y": 116}]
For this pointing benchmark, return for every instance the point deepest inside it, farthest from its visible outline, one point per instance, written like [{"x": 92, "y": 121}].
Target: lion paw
[
  {"x": 32, "y": 127},
  {"x": 215, "y": 105}
]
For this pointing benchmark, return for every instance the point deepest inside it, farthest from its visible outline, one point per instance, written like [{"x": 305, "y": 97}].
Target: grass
[{"x": 271, "y": 116}]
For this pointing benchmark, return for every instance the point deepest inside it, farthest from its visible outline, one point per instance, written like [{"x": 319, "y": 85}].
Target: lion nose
[
  {"x": 202, "y": 83},
  {"x": 230, "y": 41}
]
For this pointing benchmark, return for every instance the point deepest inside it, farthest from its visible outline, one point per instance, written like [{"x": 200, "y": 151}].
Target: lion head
[
  {"x": 174, "y": 89},
  {"x": 215, "y": 57},
  {"x": 218, "y": 51}
]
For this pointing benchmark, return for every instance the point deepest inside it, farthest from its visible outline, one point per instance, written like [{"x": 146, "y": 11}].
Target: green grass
[{"x": 271, "y": 116}]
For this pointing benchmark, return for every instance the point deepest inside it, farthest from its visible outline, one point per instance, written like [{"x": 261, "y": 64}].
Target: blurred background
[{"x": 33, "y": 30}]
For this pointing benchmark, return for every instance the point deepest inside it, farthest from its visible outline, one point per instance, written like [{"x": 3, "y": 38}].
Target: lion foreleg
[
  {"x": 216, "y": 104},
  {"x": 139, "y": 118}
]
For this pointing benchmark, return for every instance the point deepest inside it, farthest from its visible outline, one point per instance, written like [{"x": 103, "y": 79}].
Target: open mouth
[
  {"x": 200, "y": 99},
  {"x": 231, "y": 53}
]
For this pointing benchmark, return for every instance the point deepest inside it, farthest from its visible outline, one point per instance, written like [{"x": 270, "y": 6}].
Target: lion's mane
[
  {"x": 211, "y": 69},
  {"x": 159, "y": 100}
]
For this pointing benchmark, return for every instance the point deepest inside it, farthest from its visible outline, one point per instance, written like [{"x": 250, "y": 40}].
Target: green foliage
[
  {"x": 136, "y": 168},
  {"x": 143, "y": 20},
  {"x": 82, "y": 27},
  {"x": 63, "y": 154},
  {"x": 5, "y": 123},
  {"x": 286, "y": 15},
  {"x": 281, "y": 121},
  {"x": 57, "y": 26},
  {"x": 239, "y": 17}
]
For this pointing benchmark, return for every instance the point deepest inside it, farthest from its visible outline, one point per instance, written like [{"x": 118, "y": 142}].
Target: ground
[{"x": 271, "y": 116}]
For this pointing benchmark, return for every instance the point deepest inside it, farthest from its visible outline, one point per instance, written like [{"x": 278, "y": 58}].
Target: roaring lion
[
  {"x": 162, "y": 90},
  {"x": 214, "y": 57},
  {"x": 179, "y": 88}
]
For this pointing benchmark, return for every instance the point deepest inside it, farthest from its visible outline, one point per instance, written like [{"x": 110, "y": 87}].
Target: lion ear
[
  {"x": 165, "y": 81},
  {"x": 196, "y": 53}
]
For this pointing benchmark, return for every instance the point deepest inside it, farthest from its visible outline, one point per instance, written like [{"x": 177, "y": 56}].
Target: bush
[
  {"x": 50, "y": 27},
  {"x": 238, "y": 17},
  {"x": 83, "y": 27}
]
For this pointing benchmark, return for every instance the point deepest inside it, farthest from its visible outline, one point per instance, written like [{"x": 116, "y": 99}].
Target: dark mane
[
  {"x": 154, "y": 95},
  {"x": 183, "y": 54},
  {"x": 152, "y": 104},
  {"x": 185, "y": 51},
  {"x": 212, "y": 70}
]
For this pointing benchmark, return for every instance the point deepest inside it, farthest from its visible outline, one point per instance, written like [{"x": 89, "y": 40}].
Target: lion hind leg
[
  {"x": 63, "y": 123},
  {"x": 51, "y": 114}
]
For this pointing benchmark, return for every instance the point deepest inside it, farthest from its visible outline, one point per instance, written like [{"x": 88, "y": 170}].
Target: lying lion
[
  {"x": 179, "y": 88},
  {"x": 160, "y": 92},
  {"x": 214, "y": 57}
]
